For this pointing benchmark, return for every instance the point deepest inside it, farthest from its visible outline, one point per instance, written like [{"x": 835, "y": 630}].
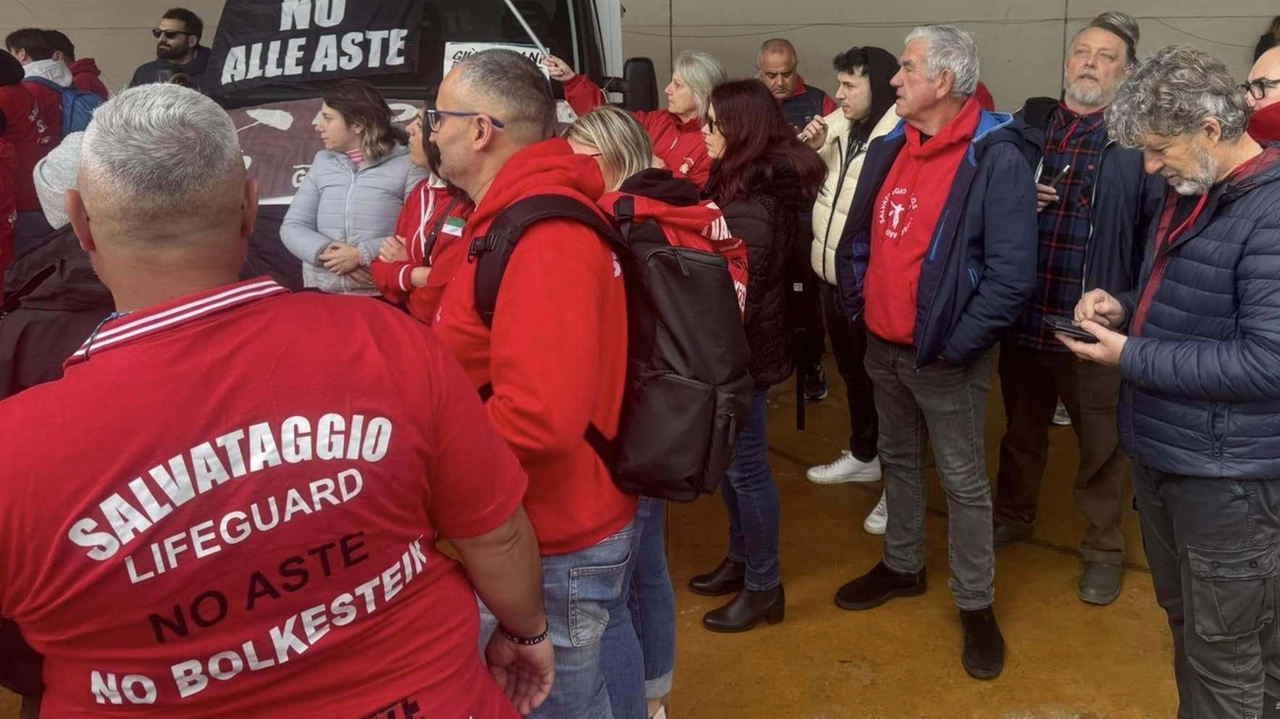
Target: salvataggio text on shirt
[
  {"x": 283, "y": 643},
  {"x": 129, "y": 513}
]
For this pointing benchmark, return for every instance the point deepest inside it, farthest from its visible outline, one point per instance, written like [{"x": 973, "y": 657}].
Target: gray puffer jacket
[{"x": 339, "y": 203}]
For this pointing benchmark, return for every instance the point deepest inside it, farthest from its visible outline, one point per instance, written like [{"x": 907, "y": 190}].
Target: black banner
[{"x": 261, "y": 42}]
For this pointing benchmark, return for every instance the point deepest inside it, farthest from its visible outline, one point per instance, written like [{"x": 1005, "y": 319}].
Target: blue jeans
[
  {"x": 751, "y": 496},
  {"x": 579, "y": 590},
  {"x": 653, "y": 601}
]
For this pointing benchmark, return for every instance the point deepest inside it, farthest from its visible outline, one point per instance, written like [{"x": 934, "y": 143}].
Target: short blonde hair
[{"x": 623, "y": 144}]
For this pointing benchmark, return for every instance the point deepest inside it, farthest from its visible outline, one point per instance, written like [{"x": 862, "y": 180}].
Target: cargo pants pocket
[{"x": 1232, "y": 591}]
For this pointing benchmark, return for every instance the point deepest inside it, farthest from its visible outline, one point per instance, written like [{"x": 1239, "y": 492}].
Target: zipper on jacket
[
  {"x": 346, "y": 215},
  {"x": 835, "y": 199}
]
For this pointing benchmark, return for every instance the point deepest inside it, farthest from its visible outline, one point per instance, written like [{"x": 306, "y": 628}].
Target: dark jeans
[
  {"x": 1211, "y": 544},
  {"x": 849, "y": 345},
  {"x": 948, "y": 404},
  {"x": 751, "y": 498},
  {"x": 1032, "y": 381}
]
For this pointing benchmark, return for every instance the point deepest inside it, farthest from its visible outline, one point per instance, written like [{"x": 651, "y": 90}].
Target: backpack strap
[
  {"x": 429, "y": 244},
  {"x": 493, "y": 250},
  {"x": 624, "y": 213},
  {"x": 601, "y": 444}
]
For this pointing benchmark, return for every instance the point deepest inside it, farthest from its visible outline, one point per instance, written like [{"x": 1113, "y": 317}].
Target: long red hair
[{"x": 756, "y": 136}]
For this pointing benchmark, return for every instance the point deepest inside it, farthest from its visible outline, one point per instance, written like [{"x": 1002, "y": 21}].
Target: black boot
[
  {"x": 983, "y": 644},
  {"x": 879, "y": 586},
  {"x": 727, "y": 578},
  {"x": 746, "y": 610}
]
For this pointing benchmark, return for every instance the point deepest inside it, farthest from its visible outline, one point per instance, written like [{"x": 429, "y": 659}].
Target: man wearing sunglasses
[
  {"x": 178, "y": 49},
  {"x": 1263, "y": 93}
]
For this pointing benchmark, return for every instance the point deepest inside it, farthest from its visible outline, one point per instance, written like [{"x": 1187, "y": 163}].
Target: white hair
[
  {"x": 950, "y": 48},
  {"x": 161, "y": 150},
  {"x": 701, "y": 72}
]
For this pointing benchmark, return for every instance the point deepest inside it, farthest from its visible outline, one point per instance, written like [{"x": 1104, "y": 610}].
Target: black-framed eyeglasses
[
  {"x": 435, "y": 118},
  {"x": 712, "y": 124},
  {"x": 1258, "y": 88},
  {"x": 169, "y": 34}
]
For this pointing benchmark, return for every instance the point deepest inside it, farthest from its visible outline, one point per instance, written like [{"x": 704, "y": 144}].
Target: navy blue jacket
[
  {"x": 1201, "y": 390},
  {"x": 981, "y": 265},
  {"x": 1125, "y": 204}
]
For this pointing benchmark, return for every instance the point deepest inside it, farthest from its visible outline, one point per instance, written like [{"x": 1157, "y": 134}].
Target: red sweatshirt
[
  {"x": 679, "y": 144},
  {"x": 557, "y": 353},
  {"x": 86, "y": 74},
  {"x": 32, "y": 137},
  {"x": 428, "y": 210},
  {"x": 905, "y": 219},
  {"x": 50, "y": 103}
]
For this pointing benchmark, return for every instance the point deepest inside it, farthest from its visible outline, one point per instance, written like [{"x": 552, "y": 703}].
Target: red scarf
[
  {"x": 906, "y": 215},
  {"x": 1264, "y": 125}
]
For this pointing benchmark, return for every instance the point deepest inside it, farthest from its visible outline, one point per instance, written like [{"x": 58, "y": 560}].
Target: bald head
[
  {"x": 1264, "y": 78},
  {"x": 777, "y": 64},
  {"x": 161, "y": 163}
]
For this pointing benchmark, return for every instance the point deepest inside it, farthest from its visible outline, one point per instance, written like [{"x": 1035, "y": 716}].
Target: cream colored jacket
[{"x": 832, "y": 207}]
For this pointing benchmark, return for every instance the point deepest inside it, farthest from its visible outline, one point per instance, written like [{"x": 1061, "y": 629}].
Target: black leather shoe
[
  {"x": 727, "y": 578},
  {"x": 1100, "y": 583},
  {"x": 746, "y": 610},
  {"x": 879, "y": 586},
  {"x": 983, "y": 644},
  {"x": 1002, "y": 536}
]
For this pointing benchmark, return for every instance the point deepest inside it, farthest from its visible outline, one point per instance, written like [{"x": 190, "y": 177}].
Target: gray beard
[
  {"x": 1203, "y": 180},
  {"x": 1092, "y": 98}
]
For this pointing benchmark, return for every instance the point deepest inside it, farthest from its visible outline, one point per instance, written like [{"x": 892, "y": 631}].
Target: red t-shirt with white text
[{"x": 229, "y": 507}]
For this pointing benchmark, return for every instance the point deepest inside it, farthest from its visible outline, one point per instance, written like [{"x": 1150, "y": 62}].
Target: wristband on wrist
[{"x": 524, "y": 641}]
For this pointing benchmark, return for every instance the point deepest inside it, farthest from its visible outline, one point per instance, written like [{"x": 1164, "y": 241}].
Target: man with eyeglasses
[
  {"x": 1263, "y": 93},
  {"x": 178, "y": 50},
  {"x": 553, "y": 353}
]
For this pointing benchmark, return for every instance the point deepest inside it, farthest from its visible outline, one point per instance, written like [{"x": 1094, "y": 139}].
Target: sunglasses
[
  {"x": 1258, "y": 88},
  {"x": 169, "y": 34}
]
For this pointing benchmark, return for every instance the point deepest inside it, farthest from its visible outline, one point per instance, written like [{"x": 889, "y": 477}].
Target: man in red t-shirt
[
  {"x": 555, "y": 357},
  {"x": 231, "y": 522}
]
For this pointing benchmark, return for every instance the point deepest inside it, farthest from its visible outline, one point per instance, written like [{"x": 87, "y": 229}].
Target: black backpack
[{"x": 687, "y": 387}]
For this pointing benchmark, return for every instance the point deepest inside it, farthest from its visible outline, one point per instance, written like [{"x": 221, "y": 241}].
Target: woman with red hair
[{"x": 763, "y": 178}]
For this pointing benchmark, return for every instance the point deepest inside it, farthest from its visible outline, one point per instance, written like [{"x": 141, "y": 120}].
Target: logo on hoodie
[{"x": 897, "y": 208}]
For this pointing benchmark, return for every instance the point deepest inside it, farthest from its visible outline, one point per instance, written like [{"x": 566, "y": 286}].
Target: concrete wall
[{"x": 1021, "y": 42}]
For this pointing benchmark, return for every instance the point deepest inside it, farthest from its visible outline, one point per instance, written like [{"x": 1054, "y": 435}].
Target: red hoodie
[
  {"x": 699, "y": 227},
  {"x": 32, "y": 137},
  {"x": 905, "y": 219},
  {"x": 86, "y": 73},
  {"x": 557, "y": 353},
  {"x": 679, "y": 144},
  {"x": 426, "y": 209},
  {"x": 8, "y": 206}
]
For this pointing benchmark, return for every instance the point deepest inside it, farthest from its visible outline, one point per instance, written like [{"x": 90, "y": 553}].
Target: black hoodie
[{"x": 881, "y": 68}]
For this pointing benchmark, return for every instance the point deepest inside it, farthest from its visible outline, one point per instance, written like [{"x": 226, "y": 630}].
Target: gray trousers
[
  {"x": 947, "y": 404},
  {"x": 1211, "y": 545}
]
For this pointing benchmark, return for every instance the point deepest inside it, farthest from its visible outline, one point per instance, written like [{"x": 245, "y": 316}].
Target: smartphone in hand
[{"x": 1064, "y": 325}]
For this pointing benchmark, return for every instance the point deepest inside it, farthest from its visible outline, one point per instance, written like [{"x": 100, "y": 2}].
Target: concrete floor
[{"x": 1065, "y": 659}]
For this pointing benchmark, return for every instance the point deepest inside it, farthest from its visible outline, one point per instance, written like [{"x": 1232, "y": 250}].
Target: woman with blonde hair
[
  {"x": 623, "y": 150},
  {"x": 676, "y": 132},
  {"x": 353, "y": 194}
]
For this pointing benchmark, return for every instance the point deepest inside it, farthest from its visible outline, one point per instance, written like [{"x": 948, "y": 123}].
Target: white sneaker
[
  {"x": 1060, "y": 416},
  {"x": 878, "y": 520},
  {"x": 845, "y": 469}
]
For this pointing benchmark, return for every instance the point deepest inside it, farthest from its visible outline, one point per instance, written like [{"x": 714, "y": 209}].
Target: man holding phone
[{"x": 1094, "y": 204}]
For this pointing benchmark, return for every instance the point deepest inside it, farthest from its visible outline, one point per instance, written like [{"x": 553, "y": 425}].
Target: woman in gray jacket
[{"x": 352, "y": 196}]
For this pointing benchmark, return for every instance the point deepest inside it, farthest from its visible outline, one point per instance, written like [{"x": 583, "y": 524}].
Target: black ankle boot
[
  {"x": 724, "y": 579},
  {"x": 983, "y": 644},
  {"x": 879, "y": 586},
  {"x": 746, "y": 610}
]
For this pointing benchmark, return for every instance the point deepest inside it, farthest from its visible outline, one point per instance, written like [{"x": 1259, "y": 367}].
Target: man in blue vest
[{"x": 800, "y": 103}]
